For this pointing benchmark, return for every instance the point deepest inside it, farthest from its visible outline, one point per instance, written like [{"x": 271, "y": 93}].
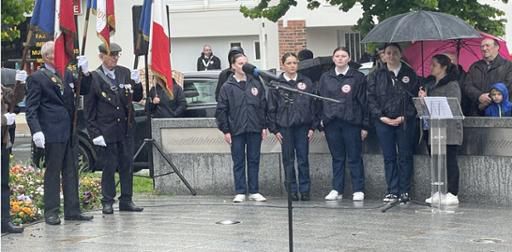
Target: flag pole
[{"x": 80, "y": 75}]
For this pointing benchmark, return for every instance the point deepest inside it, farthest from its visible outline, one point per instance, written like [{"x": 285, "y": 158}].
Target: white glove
[
  {"x": 135, "y": 75},
  {"x": 99, "y": 141},
  {"x": 83, "y": 63},
  {"x": 21, "y": 75},
  {"x": 126, "y": 86},
  {"x": 10, "y": 118},
  {"x": 38, "y": 138}
]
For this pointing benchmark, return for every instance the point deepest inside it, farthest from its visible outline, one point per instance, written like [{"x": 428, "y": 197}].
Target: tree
[
  {"x": 482, "y": 16},
  {"x": 13, "y": 13}
]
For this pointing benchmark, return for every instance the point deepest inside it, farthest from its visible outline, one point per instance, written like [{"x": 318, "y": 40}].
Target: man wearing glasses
[{"x": 111, "y": 125}]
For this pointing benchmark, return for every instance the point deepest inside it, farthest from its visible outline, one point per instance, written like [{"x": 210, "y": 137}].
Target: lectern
[{"x": 442, "y": 116}]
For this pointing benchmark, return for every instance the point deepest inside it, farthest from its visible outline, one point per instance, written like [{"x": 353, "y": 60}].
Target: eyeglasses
[{"x": 115, "y": 54}]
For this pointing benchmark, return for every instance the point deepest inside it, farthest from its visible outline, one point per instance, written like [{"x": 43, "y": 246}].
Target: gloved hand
[
  {"x": 99, "y": 141},
  {"x": 21, "y": 75},
  {"x": 38, "y": 138},
  {"x": 126, "y": 86},
  {"x": 83, "y": 63},
  {"x": 10, "y": 118},
  {"x": 135, "y": 75}
]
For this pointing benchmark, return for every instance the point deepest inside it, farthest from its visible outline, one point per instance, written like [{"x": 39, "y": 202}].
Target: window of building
[
  {"x": 233, "y": 44},
  {"x": 354, "y": 45},
  {"x": 257, "y": 50}
]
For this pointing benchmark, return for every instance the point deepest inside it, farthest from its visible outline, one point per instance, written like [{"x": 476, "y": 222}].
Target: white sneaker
[
  {"x": 257, "y": 197},
  {"x": 450, "y": 200},
  {"x": 333, "y": 195},
  {"x": 434, "y": 197},
  {"x": 358, "y": 196},
  {"x": 239, "y": 198}
]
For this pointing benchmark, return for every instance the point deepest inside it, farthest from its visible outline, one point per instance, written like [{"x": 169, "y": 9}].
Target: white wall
[
  {"x": 322, "y": 40},
  {"x": 185, "y": 51}
]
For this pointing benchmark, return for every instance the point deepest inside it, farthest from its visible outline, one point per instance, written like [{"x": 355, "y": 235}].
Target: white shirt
[
  {"x": 396, "y": 71},
  {"x": 110, "y": 73},
  {"x": 288, "y": 78},
  {"x": 49, "y": 67},
  {"x": 344, "y": 72}
]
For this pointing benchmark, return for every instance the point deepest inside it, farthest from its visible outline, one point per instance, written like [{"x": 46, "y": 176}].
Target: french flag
[
  {"x": 55, "y": 17},
  {"x": 160, "y": 60},
  {"x": 105, "y": 19}
]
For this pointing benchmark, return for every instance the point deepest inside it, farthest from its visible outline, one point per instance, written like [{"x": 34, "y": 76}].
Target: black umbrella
[
  {"x": 314, "y": 68},
  {"x": 420, "y": 26}
]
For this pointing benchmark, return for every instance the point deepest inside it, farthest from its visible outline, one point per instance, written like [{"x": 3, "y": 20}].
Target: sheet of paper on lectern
[{"x": 438, "y": 107}]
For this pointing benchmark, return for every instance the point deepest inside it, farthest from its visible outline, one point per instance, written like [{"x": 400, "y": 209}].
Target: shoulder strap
[
  {"x": 53, "y": 77},
  {"x": 104, "y": 77}
]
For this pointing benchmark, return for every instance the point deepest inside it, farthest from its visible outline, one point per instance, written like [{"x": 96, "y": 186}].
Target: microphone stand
[{"x": 273, "y": 84}]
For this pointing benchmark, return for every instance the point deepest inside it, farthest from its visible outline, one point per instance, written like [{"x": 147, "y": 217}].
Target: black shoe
[
  {"x": 107, "y": 209},
  {"x": 305, "y": 196},
  {"x": 9, "y": 227},
  {"x": 79, "y": 217},
  {"x": 404, "y": 198},
  {"x": 295, "y": 196},
  {"x": 129, "y": 207},
  {"x": 52, "y": 220}
]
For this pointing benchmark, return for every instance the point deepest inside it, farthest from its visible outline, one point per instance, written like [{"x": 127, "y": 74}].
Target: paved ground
[{"x": 187, "y": 223}]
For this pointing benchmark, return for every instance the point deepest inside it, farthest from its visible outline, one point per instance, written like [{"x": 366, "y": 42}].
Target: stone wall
[{"x": 198, "y": 150}]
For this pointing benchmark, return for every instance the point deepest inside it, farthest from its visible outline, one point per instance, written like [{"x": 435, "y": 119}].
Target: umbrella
[
  {"x": 466, "y": 50},
  {"x": 315, "y": 67},
  {"x": 419, "y": 26}
]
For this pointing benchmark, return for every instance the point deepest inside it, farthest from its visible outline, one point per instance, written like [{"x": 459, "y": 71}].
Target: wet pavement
[{"x": 188, "y": 223}]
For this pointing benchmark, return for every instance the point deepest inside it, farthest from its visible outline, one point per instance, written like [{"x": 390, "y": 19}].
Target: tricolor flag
[
  {"x": 142, "y": 40},
  {"x": 55, "y": 17},
  {"x": 160, "y": 60},
  {"x": 105, "y": 19}
]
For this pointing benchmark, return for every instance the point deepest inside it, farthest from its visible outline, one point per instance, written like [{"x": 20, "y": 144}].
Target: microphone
[{"x": 254, "y": 71}]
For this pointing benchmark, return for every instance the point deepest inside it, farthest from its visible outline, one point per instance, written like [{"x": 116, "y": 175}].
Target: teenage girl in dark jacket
[
  {"x": 292, "y": 120},
  {"x": 345, "y": 123},
  {"x": 241, "y": 116},
  {"x": 390, "y": 93}
]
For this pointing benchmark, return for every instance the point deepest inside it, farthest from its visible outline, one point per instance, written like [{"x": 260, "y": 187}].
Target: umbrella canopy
[
  {"x": 315, "y": 67},
  {"x": 420, "y": 26},
  {"x": 468, "y": 51}
]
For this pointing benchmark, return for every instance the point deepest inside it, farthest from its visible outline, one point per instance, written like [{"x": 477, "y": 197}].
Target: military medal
[
  {"x": 54, "y": 79},
  {"x": 104, "y": 94}
]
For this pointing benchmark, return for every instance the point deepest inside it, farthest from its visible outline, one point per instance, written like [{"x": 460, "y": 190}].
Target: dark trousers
[
  {"x": 116, "y": 155},
  {"x": 296, "y": 142},
  {"x": 452, "y": 166},
  {"x": 344, "y": 141},
  {"x": 59, "y": 161},
  {"x": 6, "y": 191},
  {"x": 239, "y": 144},
  {"x": 398, "y": 174}
]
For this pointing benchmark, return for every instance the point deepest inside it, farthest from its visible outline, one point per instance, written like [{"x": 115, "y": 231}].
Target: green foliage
[
  {"x": 482, "y": 16},
  {"x": 12, "y": 15}
]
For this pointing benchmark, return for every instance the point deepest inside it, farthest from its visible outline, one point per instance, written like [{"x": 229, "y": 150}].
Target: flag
[
  {"x": 145, "y": 19},
  {"x": 43, "y": 16},
  {"x": 64, "y": 35},
  {"x": 142, "y": 39},
  {"x": 160, "y": 61},
  {"x": 105, "y": 19}
]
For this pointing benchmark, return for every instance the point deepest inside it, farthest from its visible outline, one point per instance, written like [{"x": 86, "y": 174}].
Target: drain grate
[{"x": 487, "y": 240}]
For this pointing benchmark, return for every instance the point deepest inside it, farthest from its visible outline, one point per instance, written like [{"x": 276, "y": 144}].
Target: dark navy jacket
[
  {"x": 391, "y": 96},
  {"x": 107, "y": 110},
  {"x": 167, "y": 108},
  {"x": 241, "y": 110},
  {"x": 350, "y": 90},
  {"x": 48, "y": 109},
  {"x": 287, "y": 109}
]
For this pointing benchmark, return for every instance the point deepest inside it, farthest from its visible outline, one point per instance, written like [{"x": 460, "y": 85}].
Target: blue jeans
[
  {"x": 296, "y": 142},
  {"x": 239, "y": 143},
  {"x": 344, "y": 139},
  {"x": 398, "y": 174}
]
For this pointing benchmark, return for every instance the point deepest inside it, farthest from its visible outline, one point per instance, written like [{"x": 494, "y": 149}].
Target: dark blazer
[
  {"x": 106, "y": 110},
  {"x": 213, "y": 63},
  {"x": 49, "y": 110}
]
